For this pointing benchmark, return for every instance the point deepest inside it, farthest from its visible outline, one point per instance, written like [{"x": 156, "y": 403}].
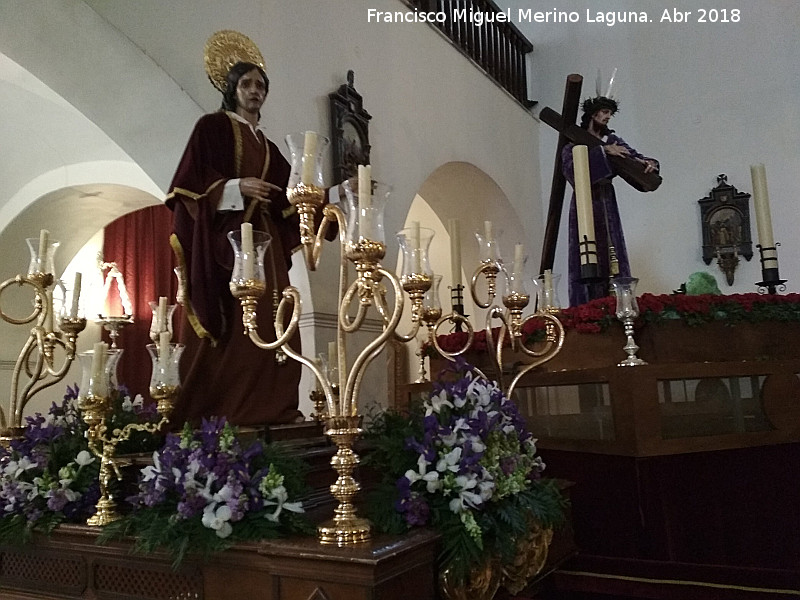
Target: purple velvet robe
[
  {"x": 607, "y": 223},
  {"x": 223, "y": 373}
]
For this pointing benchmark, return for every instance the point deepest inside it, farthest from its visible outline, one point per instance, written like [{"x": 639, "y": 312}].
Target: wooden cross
[{"x": 629, "y": 169}]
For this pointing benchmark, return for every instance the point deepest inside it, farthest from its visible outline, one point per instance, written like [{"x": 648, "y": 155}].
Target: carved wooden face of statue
[
  {"x": 601, "y": 118},
  {"x": 251, "y": 91}
]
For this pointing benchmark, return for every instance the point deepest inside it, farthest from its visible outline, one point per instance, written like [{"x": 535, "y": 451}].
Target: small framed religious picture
[{"x": 349, "y": 130}]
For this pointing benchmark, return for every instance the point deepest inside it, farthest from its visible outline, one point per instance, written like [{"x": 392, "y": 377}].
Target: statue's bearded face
[{"x": 601, "y": 118}]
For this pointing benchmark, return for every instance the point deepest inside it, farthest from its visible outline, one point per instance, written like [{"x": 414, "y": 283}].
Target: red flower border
[{"x": 597, "y": 315}]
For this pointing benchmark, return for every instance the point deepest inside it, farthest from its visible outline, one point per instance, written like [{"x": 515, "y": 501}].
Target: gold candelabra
[
  {"x": 514, "y": 300},
  {"x": 37, "y": 358},
  {"x": 361, "y": 233},
  {"x": 95, "y": 402},
  {"x": 363, "y": 245}
]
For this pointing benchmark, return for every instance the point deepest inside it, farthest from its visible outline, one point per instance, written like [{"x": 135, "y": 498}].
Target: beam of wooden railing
[{"x": 497, "y": 48}]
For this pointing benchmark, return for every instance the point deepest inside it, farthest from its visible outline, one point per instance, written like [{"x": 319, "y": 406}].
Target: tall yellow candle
[
  {"x": 488, "y": 231},
  {"x": 333, "y": 356},
  {"x": 548, "y": 281},
  {"x": 248, "y": 260},
  {"x": 454, "y": 227},
  {"x": 519, "y": 252},
  {"x": 76, "y": 295},
  {"x": 415, "y": 243},
  {"x": 44, "y": 243},
  {"x": 48, "y": 318},
  {"x": 99, "y": 363},
  {"x": 163, "y": 350},
  {"x": 365, "y": 201},
  {"x": 583, "y": 197},
  {"x": 309, "y": 158},
  {"x": 161, "y": 314},
  {"x": 761, "y": 202}
]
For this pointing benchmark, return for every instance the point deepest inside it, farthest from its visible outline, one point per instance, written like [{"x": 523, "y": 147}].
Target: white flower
[
  {"x": 281, "y": 496},
  {"x": 151, "y": 472},
  {"x": 138, "y": 401},
  {"x": 449, "y": 462},
  {"x": 127, "y": 405},
  {"x": 437, "y": 402},
  {"x": 84, "y": 458},
  {"x": 217, "y": 518},
  {"x": 432, "y": 481},
  {"x": 15, "y": 468}
]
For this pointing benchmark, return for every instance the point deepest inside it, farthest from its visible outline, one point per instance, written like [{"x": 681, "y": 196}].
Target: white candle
[
  {"x": 76, "y": 296},
  {"x": 487, "y": 230},
  {"x": 455, "y": 251},
  {"x": 415, "y": 249},
  {"x": 583, "y": 198},
  {"x": 761, "y": 201},
  {"x": 163, "y": 350},
  {"x": 248, "y": 260},
  {"x": 518, "y": 259},
  {"x": 333, "y": 356},
  {"x": 317, "y": 382},
  {"x": 365, "y": 201},
  {"x": 44, "y": 243},
  {"x": 48, "y": 318},
  {"x": 309, "y": 158},
  {"x": 161, "y": 314},
  {"x": 99, "y": 363}
]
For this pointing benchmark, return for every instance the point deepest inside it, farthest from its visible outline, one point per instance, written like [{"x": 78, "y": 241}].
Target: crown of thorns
[{"x": 592, "y": 105}]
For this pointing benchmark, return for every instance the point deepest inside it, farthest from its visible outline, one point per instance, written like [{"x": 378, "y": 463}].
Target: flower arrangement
[
  {"x": 206, "y": 491},
  {"x": 464, "y": 463},
  {"x": 597, "y": 315},
  {"x": 49, "y": 476}
]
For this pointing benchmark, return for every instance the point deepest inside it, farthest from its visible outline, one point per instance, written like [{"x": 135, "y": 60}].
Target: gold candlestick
[
  {"x": 94, "y": 402},
  {"x": 36, "y": 359}
]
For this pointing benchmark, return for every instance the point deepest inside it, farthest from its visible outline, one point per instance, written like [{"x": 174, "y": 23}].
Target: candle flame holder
[
  {"x": 771, "y": 281},
  {"x": 627, "y": 311}
]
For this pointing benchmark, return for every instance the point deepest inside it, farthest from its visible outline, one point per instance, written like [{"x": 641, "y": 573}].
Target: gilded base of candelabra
[
  {"x": 105, "y": 514},
  {"x": 345, "y": 532},
  {"x": 346, "y": 528},
  {"x": 10, "y": 434},
  {"x": 165, "y": 396}
]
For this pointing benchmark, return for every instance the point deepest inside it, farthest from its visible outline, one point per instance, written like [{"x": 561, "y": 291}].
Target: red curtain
[{"x": 139, "y": 243}]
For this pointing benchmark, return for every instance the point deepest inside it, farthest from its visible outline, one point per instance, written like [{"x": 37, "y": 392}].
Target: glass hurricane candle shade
[
  {"x": 155, "y": 327},
  {"x": 430, "y": 301},
  {"x": 166, "y": 361},
  {"x": 248, "y": 264},
  {"x": 489, "y": 249},
  {"x": 625, "y": 291},
  {"x": 547, "y": 292},
  {"x": 306, "y": 149},
  {"x": 36, "y": 264},
  {"x": 414, "y": 245},
  {"x": 512, "y": 285},
  {"x": 365, "y": 214},
  {"x": 66, "y": 305},
  {"x": 99, "y": 374}
]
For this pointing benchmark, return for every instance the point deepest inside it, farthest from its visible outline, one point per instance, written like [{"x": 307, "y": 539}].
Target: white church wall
[{"x": 703, "y": 98}]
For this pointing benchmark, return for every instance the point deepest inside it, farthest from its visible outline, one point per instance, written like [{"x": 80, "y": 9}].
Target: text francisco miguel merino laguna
[{"x": 526, "y": 15}]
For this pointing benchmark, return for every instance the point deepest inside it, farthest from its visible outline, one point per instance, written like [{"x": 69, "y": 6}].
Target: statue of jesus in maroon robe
[{"x": 230, "y": 171}]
